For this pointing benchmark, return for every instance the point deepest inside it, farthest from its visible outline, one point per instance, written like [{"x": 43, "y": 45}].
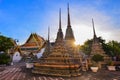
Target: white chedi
[{"x": 16, "y": 57}]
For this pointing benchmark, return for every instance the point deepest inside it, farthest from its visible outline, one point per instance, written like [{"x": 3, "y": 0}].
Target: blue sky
[{"x": 20, "y": 18}]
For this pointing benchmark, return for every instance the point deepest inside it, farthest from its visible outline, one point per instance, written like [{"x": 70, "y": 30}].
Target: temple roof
[
  {"x": 33, "y": 44},
  {"x": 34, "y": 40}
]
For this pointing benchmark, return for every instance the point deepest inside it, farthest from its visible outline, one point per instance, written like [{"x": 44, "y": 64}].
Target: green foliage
[
  {"x": 112, "y": 48},
  {"x": 5, "y": 43},
  {"x": 86, "y": 48},
  {"x": 110, "y": 63},
  {"x": 97, "y": 58},
  {"x": 4, "y": 58}
]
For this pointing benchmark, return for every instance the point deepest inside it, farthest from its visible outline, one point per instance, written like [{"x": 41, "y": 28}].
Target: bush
[
  {"x": 97, "y": 58},
  {"x": 110, "y": 63},
  {"x": 4, "y": 58}
]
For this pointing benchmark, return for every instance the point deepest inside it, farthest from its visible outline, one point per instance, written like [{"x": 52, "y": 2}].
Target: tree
[
  {"x": 97, "y": 58},
  {"x": 114, "y": 48},
  {"x": 4, "y": 58},
  {"x": 86, "y": 48},
  {"x": 5, "y": 43}
]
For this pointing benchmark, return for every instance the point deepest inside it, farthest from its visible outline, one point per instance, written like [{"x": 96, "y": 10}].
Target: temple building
[
  {"x": 33, "y": 44},
  {"x": 97, "y": 46},
  {"x": 63, "y": 58}
]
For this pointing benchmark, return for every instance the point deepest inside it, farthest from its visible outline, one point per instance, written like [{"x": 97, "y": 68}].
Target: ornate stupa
[
  {"x": 70, "y": 39},
  {"x": 96, "y": 46},
  {"x": 59, "y": 61}
]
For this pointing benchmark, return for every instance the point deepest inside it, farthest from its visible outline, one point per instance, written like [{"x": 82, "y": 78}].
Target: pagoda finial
[
  {"x": 60, "y": 33},
  {"x": 60, "y": 18},
  {"x": 93, "y": 28},
  {"x": 47, "y": 46},
  {"x": 48, "y": 43},
  {"x": 69, "y": 32},
  {"x": 48, "y": 34},
  {"x": 69, "y": 25}
]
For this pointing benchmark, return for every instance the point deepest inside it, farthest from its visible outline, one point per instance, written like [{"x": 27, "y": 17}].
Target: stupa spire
[
  {"x": 60, "y": 33},
  {"x": 48, "y": 34},
  {"x": 47, "y": 46},
  {"x": 69, "y": 32},
  {"x": 94, "y": 29},
  {"x": 69, "y": 24},
  {"x": 60, "y": 18},
  {"x": 48, "y": 42}
]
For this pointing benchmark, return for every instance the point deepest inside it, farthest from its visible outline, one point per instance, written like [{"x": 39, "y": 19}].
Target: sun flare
[{"x": 76, "y": 43}]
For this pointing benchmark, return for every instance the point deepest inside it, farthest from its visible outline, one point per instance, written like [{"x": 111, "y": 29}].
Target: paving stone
[{"x": 19, "y": 72}]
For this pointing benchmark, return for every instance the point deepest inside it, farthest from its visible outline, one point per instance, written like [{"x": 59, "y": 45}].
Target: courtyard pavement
[{"x": 19, "y": 72}]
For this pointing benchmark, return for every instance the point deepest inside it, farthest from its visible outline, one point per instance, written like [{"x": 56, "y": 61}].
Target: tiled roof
[
  {"x": 33, "y": 44},
  {"x": 37, "y": 40},
  {"x": 29, "y": 44}
]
